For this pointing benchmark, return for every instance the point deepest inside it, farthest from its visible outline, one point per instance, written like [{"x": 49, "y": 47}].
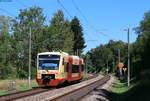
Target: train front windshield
[{"x": 48, "y": 62}]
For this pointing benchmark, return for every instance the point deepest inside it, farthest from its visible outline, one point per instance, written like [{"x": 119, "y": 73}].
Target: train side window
[
  {"x": 75, "y": 68},
  {"x": 67, "y": 67}
]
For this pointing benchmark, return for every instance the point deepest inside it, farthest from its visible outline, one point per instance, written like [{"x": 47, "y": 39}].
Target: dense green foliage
[
  {"x": 136, "y": 92},
  {"x": 14, "y": 39},
  {"x": 107, "y": 55},
  {"x": 139, "y": 52},
  {"x": 61, "y": 33},
  {"x": 141, "y": 48},
  {"x": 65, "y": 35},
  {"x": 79, "y": 42}
]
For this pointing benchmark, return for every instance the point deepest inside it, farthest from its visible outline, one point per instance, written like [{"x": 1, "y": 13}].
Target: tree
[
  {"x": 107, "y": 54},
  {"x": 61, "y": 34},
  {"x": 14, "y": 40},
  {"x": 141, "y": 48},
  {"x": 6, "y": 49},
  {"x": 99, "y": 57},
  {"x": 79, "y": 42},
  {"x": 32, "y": 18}
]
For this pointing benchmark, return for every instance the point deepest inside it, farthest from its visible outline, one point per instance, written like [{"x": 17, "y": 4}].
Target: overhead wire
[
  {"x": 61, "y": 4},
  {"x": 64, "y": 8},
  {"x": 48, "y": 39},
  {"x": 84, "y": 17},
  {"x": 77, "y": 8},
  {"x": 91, "y": 40},
  {"x": 62, "y": 26}
]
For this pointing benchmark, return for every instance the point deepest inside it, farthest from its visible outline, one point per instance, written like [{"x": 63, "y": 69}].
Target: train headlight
[{"x": 44, "y": 72}]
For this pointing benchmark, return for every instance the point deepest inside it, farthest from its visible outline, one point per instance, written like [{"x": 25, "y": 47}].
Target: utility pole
[
  {"x": 29, "y": 69},
  {"x": 128, "y": 57}
]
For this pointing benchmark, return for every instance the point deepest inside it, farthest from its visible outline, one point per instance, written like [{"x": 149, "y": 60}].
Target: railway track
[
  {"x": 13, "y": 96},
  {"x": 36, "y": 93},
  {"x": 76, "y": 94}
]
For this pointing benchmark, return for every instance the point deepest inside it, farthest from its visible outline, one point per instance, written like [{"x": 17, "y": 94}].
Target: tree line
[
  {"x": 59, "y": 34},
  {"x": 107, "y": 55},
  {"x": 63, "y": 34}
]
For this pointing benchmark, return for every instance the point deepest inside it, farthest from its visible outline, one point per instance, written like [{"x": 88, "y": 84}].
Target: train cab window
[
  {"x": 49, "y": 62},
  {"x": 75, "y": 68}
]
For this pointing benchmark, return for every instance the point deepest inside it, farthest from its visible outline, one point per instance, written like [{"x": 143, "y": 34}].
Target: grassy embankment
[
  {"x": 139, "y": 91},
  {"x": 6, "y": 86},
  {"x": 20, "y": 85}
]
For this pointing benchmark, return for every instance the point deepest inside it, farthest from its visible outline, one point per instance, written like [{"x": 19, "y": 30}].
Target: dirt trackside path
[{"x": 102, "y": 93}]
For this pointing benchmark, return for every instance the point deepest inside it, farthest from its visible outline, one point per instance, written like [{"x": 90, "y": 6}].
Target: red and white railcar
[{"x": 54, "y": 68}]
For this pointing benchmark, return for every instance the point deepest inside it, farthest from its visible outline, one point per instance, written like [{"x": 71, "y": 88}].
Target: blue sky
[{"x": 110, "y": 17}]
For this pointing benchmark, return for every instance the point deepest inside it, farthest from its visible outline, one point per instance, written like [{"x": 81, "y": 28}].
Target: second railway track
[{"x": 17, "y": 95}]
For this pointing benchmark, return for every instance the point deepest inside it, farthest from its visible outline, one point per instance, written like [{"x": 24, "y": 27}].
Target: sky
[{"x": 102, "y": 20}]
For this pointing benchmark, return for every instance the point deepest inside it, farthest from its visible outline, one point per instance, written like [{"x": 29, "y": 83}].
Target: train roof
[
  {"x": 60, "y": 53},
  {"x": 56, "y": 53},
  {"x": 75, "y": 57}
]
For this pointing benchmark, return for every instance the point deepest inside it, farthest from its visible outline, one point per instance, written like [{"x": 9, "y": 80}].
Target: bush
[{"x": 7, "y": 72}]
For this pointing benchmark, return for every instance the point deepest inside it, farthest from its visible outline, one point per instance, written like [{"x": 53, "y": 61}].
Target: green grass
[
  {"x": 25, "y": 87},
  {"x": 118, "y": 90},
  {"x": 3, "y": 92},
  {"x": 21, "y": 85},
  {"x": 139, "y": 91},
  {"x": 119, "y": 87}
]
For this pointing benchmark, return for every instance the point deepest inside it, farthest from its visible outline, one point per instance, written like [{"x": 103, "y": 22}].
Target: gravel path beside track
[{"x": 101, "y": 93}]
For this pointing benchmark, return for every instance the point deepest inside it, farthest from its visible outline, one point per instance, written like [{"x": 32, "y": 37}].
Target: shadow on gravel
[{"x": 103, "y": 93}]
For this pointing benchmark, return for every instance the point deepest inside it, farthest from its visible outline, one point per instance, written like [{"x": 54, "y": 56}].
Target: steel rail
[
  {"x": 80, "y": 92},
  {"x": 10, "y": 97},
  {"x": 32, "y": 92}
]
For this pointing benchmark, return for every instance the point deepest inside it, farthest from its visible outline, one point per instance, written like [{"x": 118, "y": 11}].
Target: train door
[
  {"x": 79, "y": 70},
  {"x": 69, "y": 75}
]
